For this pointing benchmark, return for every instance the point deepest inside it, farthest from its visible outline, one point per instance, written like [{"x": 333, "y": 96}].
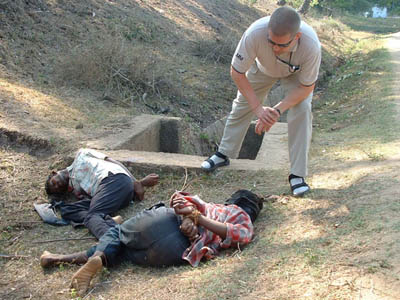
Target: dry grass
[
  {"x": 122, "y": 71},
  {"x": 339, "y": 242}
]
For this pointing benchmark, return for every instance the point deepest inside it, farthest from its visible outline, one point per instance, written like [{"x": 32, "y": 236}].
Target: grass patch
[
  {"x": 356, "y": 105},
  {"x": 216, "y": 50},
  {"x": 372, "y": 25},
  {"x": 318, "y": 247},
  {"x": 118, "y": 68}
]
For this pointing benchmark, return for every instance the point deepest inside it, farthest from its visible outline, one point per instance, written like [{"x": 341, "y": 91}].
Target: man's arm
[
  {"x": 266, "y": 114},
  {"x": 294, "y": 97},
  {"x": 186, "y": 208},
  {"x": 214, "y": 226}
]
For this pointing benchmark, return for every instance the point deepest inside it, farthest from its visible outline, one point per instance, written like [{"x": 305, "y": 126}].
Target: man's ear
[{"x": 298, "y": 35}]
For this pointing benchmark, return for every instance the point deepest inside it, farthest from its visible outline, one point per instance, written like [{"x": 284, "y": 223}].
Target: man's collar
[{"x": 295, "y": 46}]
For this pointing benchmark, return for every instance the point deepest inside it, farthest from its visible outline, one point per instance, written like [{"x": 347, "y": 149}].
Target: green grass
[{"x": 375, "y": 26}]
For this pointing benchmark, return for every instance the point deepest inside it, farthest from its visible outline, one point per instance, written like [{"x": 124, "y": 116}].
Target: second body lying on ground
[{"x": 157, "y": 236}]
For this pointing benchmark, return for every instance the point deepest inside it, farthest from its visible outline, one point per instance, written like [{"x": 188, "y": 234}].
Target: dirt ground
[{"x": 340, "y": 242}]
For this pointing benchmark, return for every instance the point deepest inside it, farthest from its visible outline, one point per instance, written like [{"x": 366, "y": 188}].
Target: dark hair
[
  {"x": 284, "y": 20},
  {"x": 47, "y": 184},
  {"x": 248, "y": 201}
]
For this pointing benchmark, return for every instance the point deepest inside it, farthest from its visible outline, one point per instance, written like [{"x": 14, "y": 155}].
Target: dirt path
[
  {"x": 385, "y": 285},
  {"x": 393, "y": 45}
]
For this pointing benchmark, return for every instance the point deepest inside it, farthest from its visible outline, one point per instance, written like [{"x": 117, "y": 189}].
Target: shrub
[
  {"x": 113, "y": 65},
  {"x": 216, "y": 50}
]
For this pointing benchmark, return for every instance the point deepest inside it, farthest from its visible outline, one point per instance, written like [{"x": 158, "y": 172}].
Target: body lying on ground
[
  {"x": 102, "y": 185},
  {"x": 186, "y": 232}
]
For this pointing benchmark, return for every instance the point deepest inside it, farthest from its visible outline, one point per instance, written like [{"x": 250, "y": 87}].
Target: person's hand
[
  {"x": 182, "y": 206},
  {"x": 78, "y": 194},
  {"x": 150, "y": 180},
  {"x": 138, "y": 190},
  {"x": 267, "y": 118},
  {"x": 189, "y": 229},
  {"x": 139, "y": 185},
  {"x": 261, "y": 127},
  {"x": 267, "y": 115}
]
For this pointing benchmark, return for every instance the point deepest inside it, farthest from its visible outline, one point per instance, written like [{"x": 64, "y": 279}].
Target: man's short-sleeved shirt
[
  {"x": 89, "y": 169},
  {"x": 254, "y": 47}
]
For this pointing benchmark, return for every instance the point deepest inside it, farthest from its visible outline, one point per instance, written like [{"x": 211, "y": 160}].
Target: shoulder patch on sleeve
[{"x": 239, "y": 56}]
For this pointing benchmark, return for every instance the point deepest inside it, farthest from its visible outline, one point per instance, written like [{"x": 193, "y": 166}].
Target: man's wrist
[{"x": 258, "y": 110}]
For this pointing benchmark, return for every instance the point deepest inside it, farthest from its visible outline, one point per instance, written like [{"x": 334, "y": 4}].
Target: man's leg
[
  {"x": 50, "y": 259},
  {"x": 153, "y": 238},
  {"x": 109, "y": 244},
  {"x": 105, "y": 253},
  {"x": 240, "y": 117},
  {"x": 299, "y": 138},
  {"x": 114, "y": 192}
]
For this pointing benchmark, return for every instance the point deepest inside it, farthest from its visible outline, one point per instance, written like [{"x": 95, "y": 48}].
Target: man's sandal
[
  {"x": 299, "y": 186},
  {"x": 214, "y": 165}
]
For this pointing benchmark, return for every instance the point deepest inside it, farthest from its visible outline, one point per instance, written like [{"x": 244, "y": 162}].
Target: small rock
[
  {"x": 165, "y": 110},
  {"x": 79, "y": 126}
]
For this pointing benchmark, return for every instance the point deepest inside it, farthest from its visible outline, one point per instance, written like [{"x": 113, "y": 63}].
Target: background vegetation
[{"x": 72, "y": 71}]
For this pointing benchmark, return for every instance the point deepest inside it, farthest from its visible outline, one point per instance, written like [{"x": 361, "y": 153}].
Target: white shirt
[{"x": 89, "y": 169}]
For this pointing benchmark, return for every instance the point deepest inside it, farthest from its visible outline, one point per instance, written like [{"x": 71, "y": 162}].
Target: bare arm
[
  {"x": 214, "y": 226},
  {"x": 185, "y": 208},
  {"x": 294, "y": 97},
  {"x": 266, "y": 115}
]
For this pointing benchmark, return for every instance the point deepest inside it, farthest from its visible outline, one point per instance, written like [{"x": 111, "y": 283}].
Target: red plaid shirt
[{"x": 239, "y": 230}]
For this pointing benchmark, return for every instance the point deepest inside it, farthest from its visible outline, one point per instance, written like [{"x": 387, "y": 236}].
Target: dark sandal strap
[
  {"x": 296, "y": 186},
  {"x": 220, "y": 155}
]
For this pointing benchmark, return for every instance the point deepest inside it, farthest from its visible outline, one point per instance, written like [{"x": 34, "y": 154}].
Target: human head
[
  {"x": 57, "y": 182},
  {"x": 284, "y": 21},
  {"x": 283, "y": 29},
  {"x": 248, "y": 201}
]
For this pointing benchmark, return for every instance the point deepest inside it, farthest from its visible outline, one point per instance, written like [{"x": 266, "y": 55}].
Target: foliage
[
  {"x": 352, "y": 5},
  {"x": 348, "y": 5},
  {"x": 115, "y": 67},
  {"x": 298, "y": 3}
]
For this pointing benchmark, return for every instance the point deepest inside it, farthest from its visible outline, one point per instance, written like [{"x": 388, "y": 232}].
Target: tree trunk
[{"x": 304, "y": 7}]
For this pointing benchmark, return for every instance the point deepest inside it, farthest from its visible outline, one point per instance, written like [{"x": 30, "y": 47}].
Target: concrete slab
[
  {"x": 274, "y": 147},
  {"x": 146, "y": 133},
  {"x": 139, "y": 148}
]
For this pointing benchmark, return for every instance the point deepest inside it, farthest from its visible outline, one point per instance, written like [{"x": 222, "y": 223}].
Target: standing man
[
  {"x": 103, "y": 186},
  {"x": 280, "y": 47}
]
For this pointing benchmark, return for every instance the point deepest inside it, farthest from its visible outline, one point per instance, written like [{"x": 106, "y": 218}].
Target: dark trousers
[
  {"x": 114, "y": 192},
  {"x": 150, "y": 238}
]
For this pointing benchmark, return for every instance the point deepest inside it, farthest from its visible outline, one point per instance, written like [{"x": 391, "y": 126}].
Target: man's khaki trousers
[{"x": 299, "y": 120}]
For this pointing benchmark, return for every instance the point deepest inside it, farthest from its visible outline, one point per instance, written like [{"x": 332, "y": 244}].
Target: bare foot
[
  {"x": 82, "y": 278},
  {"x": 118, "y": 219},
  {"x": 48, "y": 259}
]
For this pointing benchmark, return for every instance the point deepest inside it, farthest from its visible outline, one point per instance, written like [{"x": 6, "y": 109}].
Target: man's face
[
  {"x": 281, "y": 44},
  {"x": 59, "y": 182}
]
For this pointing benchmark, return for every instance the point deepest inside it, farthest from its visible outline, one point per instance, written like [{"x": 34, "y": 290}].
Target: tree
[{"x": 304, "y": 7}]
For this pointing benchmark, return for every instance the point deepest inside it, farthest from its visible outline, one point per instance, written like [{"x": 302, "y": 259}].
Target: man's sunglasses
[{"x": 279, "y": 45}]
